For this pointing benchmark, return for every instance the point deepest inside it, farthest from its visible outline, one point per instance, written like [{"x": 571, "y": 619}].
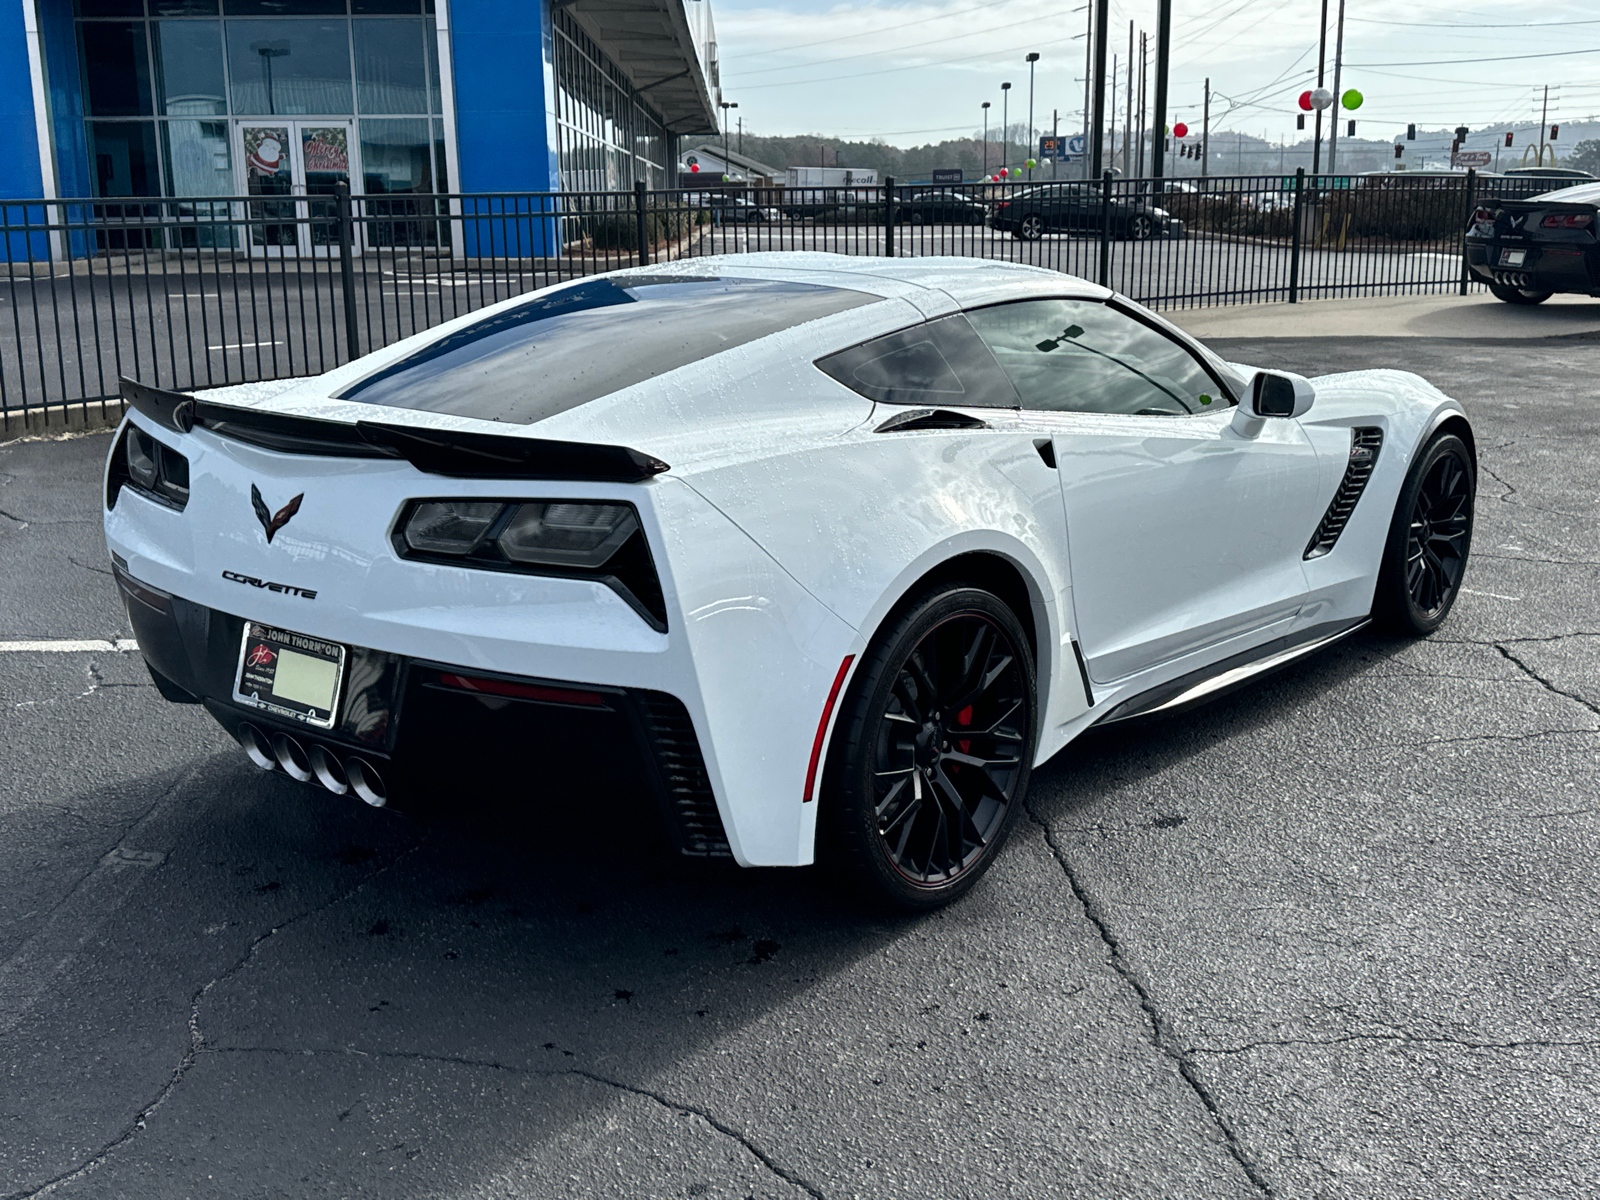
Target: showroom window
[
  {"x": 176, "y": 93},
  {"x": 608, "y": 136}
]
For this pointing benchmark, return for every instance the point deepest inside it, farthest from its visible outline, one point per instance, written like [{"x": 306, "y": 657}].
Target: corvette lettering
[{"x": 286, "y": 588}]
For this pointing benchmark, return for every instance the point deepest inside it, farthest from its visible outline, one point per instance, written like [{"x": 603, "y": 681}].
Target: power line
[
  {"x": 1451, "y": 62},
  {"x": 959, "y": 37},
  {"x": 960, "y": 12},
  {"x": 913, "y": 66},
  {"x": 1464, "y": 25}
]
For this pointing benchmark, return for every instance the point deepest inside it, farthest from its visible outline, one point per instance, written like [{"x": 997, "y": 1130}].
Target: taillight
[
  {"x": 1568, "y": 221},
  {"x": 1483, "y": 216},
  {"x": 999, "y": 204}
]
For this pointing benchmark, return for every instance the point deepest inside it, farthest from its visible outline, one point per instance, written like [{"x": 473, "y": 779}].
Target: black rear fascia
[{"x": 455, "y": 454}]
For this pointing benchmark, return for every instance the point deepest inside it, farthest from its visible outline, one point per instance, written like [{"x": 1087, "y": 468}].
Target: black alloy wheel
[
  {"x": 1512, "y": 295},
  {"x": 1032, "y": 228},
  {"x": 1430, "y": 538},
  {"x": 1140, "y": 227},
  {"x": 933, "y": 749}
]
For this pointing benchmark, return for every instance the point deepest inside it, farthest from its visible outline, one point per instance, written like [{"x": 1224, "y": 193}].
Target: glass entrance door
[{"x": 294, "y": 166}]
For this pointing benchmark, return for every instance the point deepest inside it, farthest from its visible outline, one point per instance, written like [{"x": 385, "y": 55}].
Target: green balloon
[
  {"x": 1030, "y": 164},
  {"x": 724, "y": 179},
  {"x": 1352, "y": 99}
]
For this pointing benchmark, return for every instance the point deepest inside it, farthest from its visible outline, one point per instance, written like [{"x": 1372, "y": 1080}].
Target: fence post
[
  {"x": 639, "y": 220},
  {"x": 888, "y": 216},
  {"x": 1105, "y": 229},
  {"x": 1472, "y": 203},
  {"x": 347, "y": 269},
  {"x": 1294, "y": 235}
]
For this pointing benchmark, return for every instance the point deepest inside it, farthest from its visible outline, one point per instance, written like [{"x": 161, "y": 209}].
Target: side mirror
[{"x": 1273, "y": 394}]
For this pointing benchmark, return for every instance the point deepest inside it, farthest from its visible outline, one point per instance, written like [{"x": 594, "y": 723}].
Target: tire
[
  {"x": 1139, "y": 228},
  {"x": 1512, "y": 295},
  {"x": 1429, "y": 540},
  {"x": 914, "y": 820},
  {"x": 1030, "y": 228}
]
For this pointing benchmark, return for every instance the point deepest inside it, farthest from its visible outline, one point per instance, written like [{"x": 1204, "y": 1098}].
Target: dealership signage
[
  {"x": 1470, "y": 158},
  {"x": 952, "y": 175}
]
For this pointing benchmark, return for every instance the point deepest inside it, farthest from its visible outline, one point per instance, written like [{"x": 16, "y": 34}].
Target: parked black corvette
[{"x": 1527, "y": 250}]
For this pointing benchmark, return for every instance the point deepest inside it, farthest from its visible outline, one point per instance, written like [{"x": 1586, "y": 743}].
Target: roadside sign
[
  {"x": 947, "y": 176},
  {"x": 1062, "y": 149},
  {"x": 1470, "y": 158}
]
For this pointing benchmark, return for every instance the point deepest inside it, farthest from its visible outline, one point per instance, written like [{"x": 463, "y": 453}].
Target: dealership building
[{"x": 119, "y": 98}]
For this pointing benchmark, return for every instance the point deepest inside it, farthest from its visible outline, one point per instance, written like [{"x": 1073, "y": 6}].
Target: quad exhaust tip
[{"x": 354, "y": 774}]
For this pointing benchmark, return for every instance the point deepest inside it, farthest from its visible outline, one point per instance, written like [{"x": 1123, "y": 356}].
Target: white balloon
[{"x": 1321, "y": 98}]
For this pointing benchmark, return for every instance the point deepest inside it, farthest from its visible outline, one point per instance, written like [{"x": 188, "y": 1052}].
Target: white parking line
[
  {"x": 69, "y": 646},
  {"x": 242, "y": 345}
]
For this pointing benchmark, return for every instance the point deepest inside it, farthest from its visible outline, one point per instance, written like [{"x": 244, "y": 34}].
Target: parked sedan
[
  {"x": 788, "y": 532},
  {"x": 1080, "y": 208},
  {"x": 1527, "y": 250},
  {"x": 728, "y": 209},
  {"x": 939, "y": 208}
]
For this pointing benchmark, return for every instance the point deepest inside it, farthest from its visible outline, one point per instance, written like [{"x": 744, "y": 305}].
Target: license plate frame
[
  {"x": 1513, "y": 258},
  {"x": 256, "y": 682}
]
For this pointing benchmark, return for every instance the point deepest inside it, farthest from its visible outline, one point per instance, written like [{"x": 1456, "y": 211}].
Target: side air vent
[
  {"x": 1365, "y": 442},
  {"x": 683, "y": 775}
]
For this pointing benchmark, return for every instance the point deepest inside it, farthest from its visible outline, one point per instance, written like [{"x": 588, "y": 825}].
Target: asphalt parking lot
[{"x": 1330, "y": 937}]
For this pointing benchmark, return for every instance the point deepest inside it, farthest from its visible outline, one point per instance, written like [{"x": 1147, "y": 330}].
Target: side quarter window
[
  {"x": 940, "y": 362},
  {"x": 1084, "y": 356}
]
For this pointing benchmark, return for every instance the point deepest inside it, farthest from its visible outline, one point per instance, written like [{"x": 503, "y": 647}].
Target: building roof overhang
[{"x": 666, "y": 48}]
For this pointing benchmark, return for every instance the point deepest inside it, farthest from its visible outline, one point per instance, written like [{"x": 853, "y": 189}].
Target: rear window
[
  {"x": 939, "y": 362},
  {"x": 564, "y": 349}
]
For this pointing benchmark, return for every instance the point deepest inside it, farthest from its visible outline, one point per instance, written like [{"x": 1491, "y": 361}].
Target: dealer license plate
[
  {"x": 1512, "y": 258},
  {"x": 289, "y": 674}
]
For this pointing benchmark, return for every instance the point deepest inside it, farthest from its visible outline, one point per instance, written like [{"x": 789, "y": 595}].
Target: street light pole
[
  {"x": 1005, "y": 131},
  {"x": 726, "y": 164},
  {"x": 1158, "y": 131},
  {"x": 1322, "y": 61},
  {"x": 1102, "y": 18},
  {"x": 1338, "y": 64},
  {"x": 986, "y": 139},
  {"x": 1033, "y": 57}
]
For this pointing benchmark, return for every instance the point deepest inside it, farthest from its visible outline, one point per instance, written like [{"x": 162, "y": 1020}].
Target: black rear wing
[{"x": 458, "y": 454}]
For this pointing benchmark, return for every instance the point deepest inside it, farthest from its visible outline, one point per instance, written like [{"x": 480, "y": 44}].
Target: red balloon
[
  {"x": 1004, "y": 171},
  {"x": 1305, "y": 101},
  {"x": 694, "y": 168},
  {"x": 1180, "y": 130}
]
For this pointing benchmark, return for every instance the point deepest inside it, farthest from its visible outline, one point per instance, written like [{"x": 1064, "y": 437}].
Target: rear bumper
[
  {"x": 1545, "y": 268},
  {"x": 422, "y": 738}
]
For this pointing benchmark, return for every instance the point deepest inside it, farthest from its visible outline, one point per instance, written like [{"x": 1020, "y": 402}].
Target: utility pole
[
  {"x": 1088, "y": 82},
  {"x": 1144, "y": 128},
  {"x": 1544, "y": 123},
  {"x": 1322, "y": 62},
  {"x": 1338, "y": 64},
  {"x": 741, "y": 135},
  {"x": 1127, "y": 111},
  {"x": 1205, "y": 131},
  {"x": 1111, "y": 138},
  {"x": 1158, "y": 132},
  {"x": 1055, "y": 132},
  {"x": 728, "y": 166},
  {"x": 1102, "y": 16}
]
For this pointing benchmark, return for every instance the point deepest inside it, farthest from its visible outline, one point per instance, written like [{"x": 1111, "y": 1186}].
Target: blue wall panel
[
  {"x": 504, "y": 85},
  {"x": 19, "y": 141}
]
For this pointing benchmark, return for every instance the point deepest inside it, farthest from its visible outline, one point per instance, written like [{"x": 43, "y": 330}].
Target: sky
[{"x": 917, "y": 71}]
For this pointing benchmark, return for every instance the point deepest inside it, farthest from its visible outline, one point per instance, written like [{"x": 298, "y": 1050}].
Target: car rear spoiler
[{"x": 461, "y": 455}]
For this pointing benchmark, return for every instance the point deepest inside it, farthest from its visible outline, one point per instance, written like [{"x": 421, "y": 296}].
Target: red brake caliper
[{"x": 964, "y": 717}]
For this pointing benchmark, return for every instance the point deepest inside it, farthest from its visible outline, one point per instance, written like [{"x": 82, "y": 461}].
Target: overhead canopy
[{"x": 667, "y": 48}]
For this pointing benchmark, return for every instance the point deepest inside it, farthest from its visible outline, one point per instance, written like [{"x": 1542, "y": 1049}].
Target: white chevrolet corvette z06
[{"x": 836, "y": 550}]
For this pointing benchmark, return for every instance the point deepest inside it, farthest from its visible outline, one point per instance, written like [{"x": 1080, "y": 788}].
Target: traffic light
[
  {"x": 1508, "y": 137},
  {"x": 1411, "y": 133},
  {"x": 1399, "y": 150},
  {"x": 1351, "y": 130},
  {"x": 1554, "y": 129},
  {"x": 1300, "y": 121}
]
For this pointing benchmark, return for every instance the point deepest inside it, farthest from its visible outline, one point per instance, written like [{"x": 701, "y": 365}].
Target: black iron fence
[{"x": 197, "y": 293}]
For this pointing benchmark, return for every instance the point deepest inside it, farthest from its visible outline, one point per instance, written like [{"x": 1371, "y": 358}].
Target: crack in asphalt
[
  {"x": 197, "y": 1038},
  {"x": 1402, "y": 1038},
  {"x": 1161, "y": 1036},
  {"x": 97, "y": 683},
  {"x": 1545, "y": 683},
  {"x": 678, "y": 1106}
]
